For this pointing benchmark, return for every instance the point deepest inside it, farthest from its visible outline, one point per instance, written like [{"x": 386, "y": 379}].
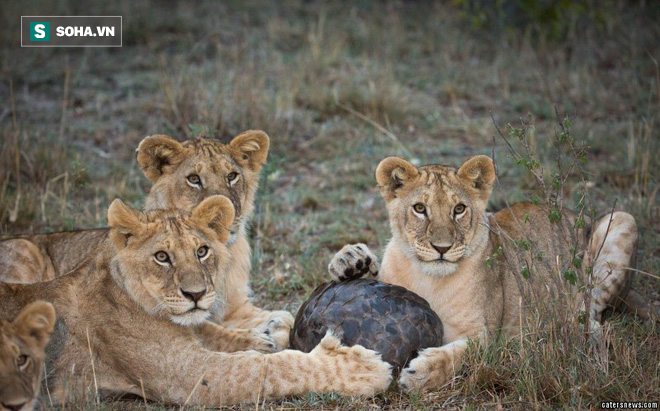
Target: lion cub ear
[
  {"x": 36, "y": 322},
  {"x": 392, "y": 174},
  {"x": 250, "y": 149},
  {"x": 216, "y": 212},
  {"x": 479, "y": 173},
  {"x": 124, "y": 222},
  {"x": 156, "y": 152}
]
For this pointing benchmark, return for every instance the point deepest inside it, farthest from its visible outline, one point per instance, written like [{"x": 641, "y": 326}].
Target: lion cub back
[{"x": 535, "y": 245}]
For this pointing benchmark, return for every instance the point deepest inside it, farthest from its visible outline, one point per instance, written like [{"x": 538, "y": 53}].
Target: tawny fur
[
  {"x": 169, "y": 164},
  {"x": 442, "y": 239},
  {"x": 22, "y": 344},
  {"x": 127, "y": 307}
]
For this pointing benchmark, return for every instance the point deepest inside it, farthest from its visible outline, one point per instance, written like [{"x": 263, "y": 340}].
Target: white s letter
[{"x": 39, "y": 31}]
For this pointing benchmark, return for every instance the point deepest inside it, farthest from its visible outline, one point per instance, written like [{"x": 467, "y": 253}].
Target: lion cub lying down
[
  {"x": 183, "y": 174},
  {"x": 135, "y": 307},
  {"x": 22, "y": 343},
  {"x": 442, "y": 239}
]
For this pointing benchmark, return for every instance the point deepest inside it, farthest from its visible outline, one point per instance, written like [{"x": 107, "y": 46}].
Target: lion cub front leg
[
  {"x": 433, "y": 367},
  {"x": 353, "y": 261},
  {"x": 197, "y": 377},
  {"x": 218, "y": 338}
]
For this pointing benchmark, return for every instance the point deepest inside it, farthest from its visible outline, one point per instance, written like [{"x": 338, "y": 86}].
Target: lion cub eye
[
  {"x": 459, "y": 208},
  {"x": 162, "y": 258},
  {"x": 194, "y": 180},
  {"x": 202, "y": 252},
  {"x": 21, "y": 360},
  {"x": 231, "y": 177},
  {"x": 419, "y": 208}
]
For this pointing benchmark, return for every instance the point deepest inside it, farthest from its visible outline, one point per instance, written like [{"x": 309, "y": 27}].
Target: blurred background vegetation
[{"x": 338, "y": 86}]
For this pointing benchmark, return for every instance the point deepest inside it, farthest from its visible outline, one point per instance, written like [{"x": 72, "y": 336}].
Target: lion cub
[
  {"x": 137, "y": 306},
  {"x": 183, "y": 174},
  {"x": 22, "y": 343},
  {"x": 442, "y": 240}
]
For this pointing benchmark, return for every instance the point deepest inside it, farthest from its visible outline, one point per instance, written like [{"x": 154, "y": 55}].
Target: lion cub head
[
  {"x": 183, "y": 174},
  {"x": 437, "y": 213},
  {"x": 170, "y": 262},
  {"x": 22, "y": 344}
]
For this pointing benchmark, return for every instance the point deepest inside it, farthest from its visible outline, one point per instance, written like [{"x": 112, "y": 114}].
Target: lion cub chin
[{"x": 22, "y": 343}]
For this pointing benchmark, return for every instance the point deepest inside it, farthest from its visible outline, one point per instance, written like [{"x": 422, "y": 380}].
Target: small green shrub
[{"x": 547, "y": 19}]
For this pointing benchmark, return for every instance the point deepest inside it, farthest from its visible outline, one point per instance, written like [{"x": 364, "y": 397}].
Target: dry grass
[{"x": 317, "y": 77}]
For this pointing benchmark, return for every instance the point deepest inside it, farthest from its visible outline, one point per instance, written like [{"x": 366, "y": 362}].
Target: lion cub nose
[
  {"x": 441, "y": 249},
  {"x": 193, "y": 296}
]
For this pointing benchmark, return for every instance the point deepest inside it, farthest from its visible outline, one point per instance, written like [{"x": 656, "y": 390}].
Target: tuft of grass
[{"x": 554, "y": 366}]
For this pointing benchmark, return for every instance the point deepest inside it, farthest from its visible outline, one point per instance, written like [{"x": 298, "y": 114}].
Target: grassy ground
[{"x": 338, "y": 87}]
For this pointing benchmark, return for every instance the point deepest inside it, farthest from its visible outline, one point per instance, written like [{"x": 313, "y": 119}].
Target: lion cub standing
[
  {"x": 22, "y": 343},
  {"x": 442, "y": 239}
]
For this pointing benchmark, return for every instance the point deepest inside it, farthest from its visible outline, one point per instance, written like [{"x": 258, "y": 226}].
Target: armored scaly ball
[{"x": 386, "y": 318}]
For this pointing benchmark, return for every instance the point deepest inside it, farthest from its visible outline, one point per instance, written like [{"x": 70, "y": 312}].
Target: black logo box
[{"x": 73, "y": 21}]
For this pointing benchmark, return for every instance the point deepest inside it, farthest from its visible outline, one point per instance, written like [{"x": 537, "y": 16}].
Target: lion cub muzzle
[
  {"x": 193, "y": 296},
  {"x": 441, "y": 249}
]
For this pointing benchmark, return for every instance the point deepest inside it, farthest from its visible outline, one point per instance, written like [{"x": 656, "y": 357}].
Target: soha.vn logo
[
  {"x": 71, "y": 31},
  {"x": 39, "y": 31},
  {"x": 81, "y": 31}
]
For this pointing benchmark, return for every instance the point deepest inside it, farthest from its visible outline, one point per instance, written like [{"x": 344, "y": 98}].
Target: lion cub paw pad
[{"x": 353, "y": 261}]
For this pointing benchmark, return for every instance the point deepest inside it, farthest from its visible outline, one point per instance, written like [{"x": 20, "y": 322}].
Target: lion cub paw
[
  {"x": 359, "y": 371},
  {"x": 278, "y": 329},
  {"x": 353, "y": 261},
  {"x": 284, "y": 317},
  {"x": 426, "y": 372},
  {"x": 259, "y": 339}
]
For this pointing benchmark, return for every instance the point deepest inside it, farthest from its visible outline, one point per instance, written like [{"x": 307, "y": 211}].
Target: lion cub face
[
  {"x": 171, "y": 262},
  {"x": 437, "y": 212},
  {"x": 22, "y": 344},
  {"x": 183, "y": 174}
]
